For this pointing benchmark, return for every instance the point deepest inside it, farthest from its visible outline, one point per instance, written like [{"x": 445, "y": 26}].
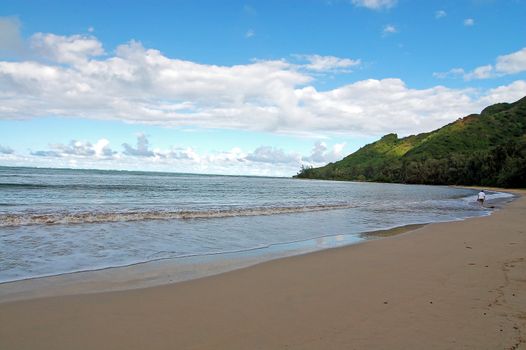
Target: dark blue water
[{"x": 54, "y": 221}]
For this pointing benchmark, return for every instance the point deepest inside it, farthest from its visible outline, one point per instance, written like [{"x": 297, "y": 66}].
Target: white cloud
[
  {"x": 182, "y": 153},
  {"x": 142, "y": 149},
  {"x": 377, "y": 106},
  {"x": 482, "y": 72},
  {"x": 373, "y": 107},
  {"x": 75, "y": 49},
  {"x": 440, "y": 14},
  {"x": 389, "y": 29},
  {"x": 512, "y": 63},
  {"x": 139, "y": 85},
  {"x": 319, "y": 63},
  {"x": 469, "y": 22},
  {"x": 267, "y": 154},
  {"x": 102, "y": 149},
  {"x": 145, "y": 86},
  {"x": 264, "y": 160},
  {"x": 76, "y": 148},
  {"x": 505, "y": 93},
  {"x": 375, "y": 4},
  {"x": 321, "y": 154}
]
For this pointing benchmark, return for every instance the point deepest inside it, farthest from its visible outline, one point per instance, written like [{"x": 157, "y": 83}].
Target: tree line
[{"x": 501, "y": 166}]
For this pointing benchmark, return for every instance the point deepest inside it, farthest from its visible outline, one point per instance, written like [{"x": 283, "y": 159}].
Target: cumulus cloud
[
  {"x": 321, "y": 154},
  {"x": 139, "y": 85},
  {"x": 267, "y": 154},
  {"x": 320, "y": 63},
  {"x": 264, "y": 160},
  {"x": 375, "y": 4},
  {"x": 142, "y": 148},
  {"x": 366, "y": 107},
  {"x": 75, "y": 49},
  {"x": 102, "y": 149},
  {"x": 6, "y": 150},
  {"x": 512, "y": 63},
  {"x": 182, "y": 154},
  {"x": 506, "y": 93},
  {"x": 482, "y": 72},
  {"x": 77, "y": 148},
  {"x": 99, "y": 150}
]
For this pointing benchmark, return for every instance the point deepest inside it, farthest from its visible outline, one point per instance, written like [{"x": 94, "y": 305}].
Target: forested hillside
[{"x": 481, "y": 149}]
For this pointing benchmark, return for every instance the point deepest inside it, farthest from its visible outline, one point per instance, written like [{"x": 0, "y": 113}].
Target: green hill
[{"x": 481, "y": 149}]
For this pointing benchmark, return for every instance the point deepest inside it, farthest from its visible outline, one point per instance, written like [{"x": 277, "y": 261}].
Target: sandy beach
[{"x": 457, "y": 285}]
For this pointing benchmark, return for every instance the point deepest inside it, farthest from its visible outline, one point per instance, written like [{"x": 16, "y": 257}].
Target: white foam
[{"x": 7, "y": 220}]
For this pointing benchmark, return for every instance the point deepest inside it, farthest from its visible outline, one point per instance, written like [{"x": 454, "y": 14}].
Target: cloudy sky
[{"x": 244, "y": 87}]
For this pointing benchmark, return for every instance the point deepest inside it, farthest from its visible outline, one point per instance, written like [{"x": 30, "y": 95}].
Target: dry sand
[{"x": 459, "y": 285}]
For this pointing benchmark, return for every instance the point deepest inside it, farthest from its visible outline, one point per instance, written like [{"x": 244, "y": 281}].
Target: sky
[{"x": 244, "y": 87}]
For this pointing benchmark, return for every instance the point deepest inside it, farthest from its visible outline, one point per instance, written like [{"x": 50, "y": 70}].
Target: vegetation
[{"x": 487, "y": 149}]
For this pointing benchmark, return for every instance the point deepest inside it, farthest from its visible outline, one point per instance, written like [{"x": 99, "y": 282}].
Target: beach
[
  {"x": 453, "y": 285},
  {"x": 244, "y": 175}
]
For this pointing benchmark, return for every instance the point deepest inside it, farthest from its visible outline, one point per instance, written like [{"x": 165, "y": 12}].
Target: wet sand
[{"x": 458, "y": 285}]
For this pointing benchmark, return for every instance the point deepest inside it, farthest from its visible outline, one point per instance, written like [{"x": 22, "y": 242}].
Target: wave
[
  {"x": 80, "y": 186},
  {"x": 7, "y": 220},
  {"x": 21, "y": 185}
]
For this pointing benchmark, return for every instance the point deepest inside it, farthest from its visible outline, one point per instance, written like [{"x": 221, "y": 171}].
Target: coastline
[
  {"x": 175, "y": 270},
  {"x": 168, "y": 270},
  {"x": 35, "y": 250},
  {"x": 445, "y": 285}
]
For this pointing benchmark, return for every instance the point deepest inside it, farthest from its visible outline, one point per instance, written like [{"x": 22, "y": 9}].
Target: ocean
[{"x": 56, "y": 221}]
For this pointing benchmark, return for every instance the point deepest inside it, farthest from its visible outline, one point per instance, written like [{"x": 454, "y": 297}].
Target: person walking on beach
[{"x": 481, "y": 197}]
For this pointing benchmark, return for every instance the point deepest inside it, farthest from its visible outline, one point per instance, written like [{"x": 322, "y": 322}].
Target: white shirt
[{"x": 482, "y": 195}]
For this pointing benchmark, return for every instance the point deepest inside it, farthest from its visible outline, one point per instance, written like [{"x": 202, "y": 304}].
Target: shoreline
[
  {"x": 446, "y": 285},
  {"x": 268, "y": 252},
  {"x": 168, "y": 271}
]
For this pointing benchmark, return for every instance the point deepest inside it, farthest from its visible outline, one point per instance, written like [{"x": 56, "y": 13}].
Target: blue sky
[{"x": 244, "y": 87}]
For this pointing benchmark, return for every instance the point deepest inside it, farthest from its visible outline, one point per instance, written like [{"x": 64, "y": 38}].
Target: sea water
[{"x": 55, "y": 221}]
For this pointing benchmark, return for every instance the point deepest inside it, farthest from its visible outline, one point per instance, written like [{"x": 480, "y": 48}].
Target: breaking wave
[{"x": 7, "y": 220}]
